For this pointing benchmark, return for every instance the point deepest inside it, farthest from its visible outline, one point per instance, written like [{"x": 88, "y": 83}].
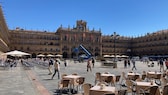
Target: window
[{"x": 65, "y": 38}]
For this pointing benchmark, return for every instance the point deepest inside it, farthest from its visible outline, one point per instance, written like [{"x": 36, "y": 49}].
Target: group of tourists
[
  {"x": 127, "y": 63},
  {"x": 56, "y": 62},
  {"x": 161, "y": 62}
]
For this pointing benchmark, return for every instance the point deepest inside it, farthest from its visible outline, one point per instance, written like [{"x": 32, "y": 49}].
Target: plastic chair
[
  {"x": 86, "y": 88},
  {"x": 64, "y": 84},
  {"x": 136, "y": 77},
  {"x": 165, "y": 90},
  {"x": 109, "y": 94},
  {"x": 80, "y": 81},
  {"x": 62, "y": 76},
  {"x": 108, "y": 80},
  {"x": 74, "y": 74},
  {"x": 123, "y": 78},
  {"x": 97, "y": 77},
  {"x": 150, "y": 91},
  {"x": 158, "y": 78},
  {"x": 131, "y": 86},
  {"x": 143, "y": 76},
  {"x": 118, "y": 78},
  {"x": 122, "y": 92}
]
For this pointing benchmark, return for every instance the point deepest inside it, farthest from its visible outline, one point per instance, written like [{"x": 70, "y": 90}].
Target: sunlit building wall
[
  {"x": 119, "y": 46},
  {"x": 152, "y": 44},
  {"x": 71, "y": 38},
  {"x": 35, "y": 42},
  {"x": 65, "y": 39},
  {"x": 4, "y": 34}
]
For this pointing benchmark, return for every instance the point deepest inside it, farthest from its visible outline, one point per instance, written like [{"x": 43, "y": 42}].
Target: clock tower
[{"x": 81, "y": 25}]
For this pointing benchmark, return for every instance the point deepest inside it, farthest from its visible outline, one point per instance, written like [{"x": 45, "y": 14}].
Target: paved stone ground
[
  {"x": 80, "y": 68},
  {"x": 15, "y": 82},
  {"x": 36, "y": 81}
]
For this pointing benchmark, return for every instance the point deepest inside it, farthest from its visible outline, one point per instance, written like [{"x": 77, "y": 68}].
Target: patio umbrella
[
  {"x": 40, "y": 55},
  {"x": 124, "y": 56},
  {"x": 50, "y": 55},
  {"x": 106, "y": 55},
  {"x": 58, "y": 55},
  {"x": 17, "y": 53}
]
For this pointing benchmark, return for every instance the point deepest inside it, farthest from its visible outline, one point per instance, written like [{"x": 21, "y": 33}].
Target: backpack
[
  {"x": 93, "y": 61},
  {"x": 51, "y": 62}
]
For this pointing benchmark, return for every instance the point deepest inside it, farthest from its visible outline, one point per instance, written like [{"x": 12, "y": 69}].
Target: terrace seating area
[
  {"x": 103, "y": 81},
  {"x": 110, "y": 84}
]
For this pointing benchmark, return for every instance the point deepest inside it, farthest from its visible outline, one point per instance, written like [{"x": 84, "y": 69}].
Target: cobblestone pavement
[{"x": 36, "y": 81}]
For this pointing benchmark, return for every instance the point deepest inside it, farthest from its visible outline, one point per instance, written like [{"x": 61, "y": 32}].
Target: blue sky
[{"x": 125, "y": 17}]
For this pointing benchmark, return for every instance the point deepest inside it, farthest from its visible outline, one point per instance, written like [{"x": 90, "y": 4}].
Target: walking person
[
  {"x": 166, "y": 63},
  {"x": 89, "y": 65},
  {"x": 50, "y": 63},
  {"x": 56, "y": 69},
  {"x": 93, "y": 62},
  {"x": 11, "y": 63},
  {"x": 65, "y": 63},
  {"x": 161, "y": 65},
  {"x": 125, "y": 63},
  {"x": 158, "y": 61},
  {"x": 133, "y": 63},
  {"x": 129, "y": 62}
]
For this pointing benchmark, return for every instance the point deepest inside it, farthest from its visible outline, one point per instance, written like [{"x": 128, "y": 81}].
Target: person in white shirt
[{"x": 56, "y": 69}]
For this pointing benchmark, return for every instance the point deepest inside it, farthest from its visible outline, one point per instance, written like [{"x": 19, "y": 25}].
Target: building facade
[
  {"x": 63, "y": 41},
  {"x": 79, "y": 35},
  {"x": 4, "y": 34},
  {"x": 152, "y": 44},
  {"x": 35, "y": 42},
  {"x": 116, "y": 46},
  {"x": 66, "y": 39}
]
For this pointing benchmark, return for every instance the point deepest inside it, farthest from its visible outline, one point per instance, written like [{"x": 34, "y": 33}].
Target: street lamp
[{"x": 114, "y": 36}]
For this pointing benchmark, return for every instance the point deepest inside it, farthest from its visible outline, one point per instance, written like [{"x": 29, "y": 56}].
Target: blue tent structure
[{"x": 87, "y": 54}]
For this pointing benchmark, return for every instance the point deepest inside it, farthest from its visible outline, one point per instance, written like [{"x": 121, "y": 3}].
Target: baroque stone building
[
  {"x": 66, "y": 39},
  {"x": 63, "y": 41},
  {"x": 4, "y": 33},
  {"x": 116, "y": 46},
  {"x": 152, "y": 44},
  {"x": 34, "y": 42}
]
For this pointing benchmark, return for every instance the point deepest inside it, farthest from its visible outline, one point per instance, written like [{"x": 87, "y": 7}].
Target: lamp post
[{"x": 114, "y": 37}]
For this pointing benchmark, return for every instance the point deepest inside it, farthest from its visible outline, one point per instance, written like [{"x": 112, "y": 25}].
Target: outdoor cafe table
[
  {"x": 152, "y": 75},
  {"x": 104, "y": 76},
  {"x": 131, "y": 75},
  {"x": 96, "y": 90},
  {"x": 145, "y": 85},
  {"x": 73, "y": 79}
]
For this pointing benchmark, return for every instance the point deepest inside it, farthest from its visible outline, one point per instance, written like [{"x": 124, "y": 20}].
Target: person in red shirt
[{"x": 166, "y": 63}]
